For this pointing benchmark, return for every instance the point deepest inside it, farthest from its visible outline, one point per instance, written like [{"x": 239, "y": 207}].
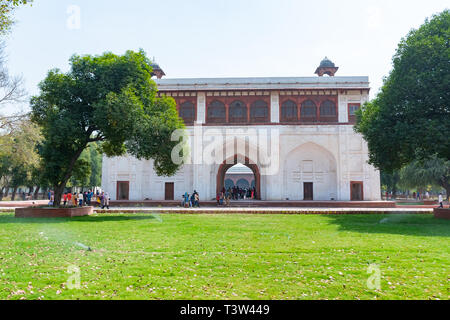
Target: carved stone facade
[{"x": 319, "y": 156}]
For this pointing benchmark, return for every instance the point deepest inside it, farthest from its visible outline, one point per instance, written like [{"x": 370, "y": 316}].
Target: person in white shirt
[
  {"x": 80, "y": 199},
  {"x": 441, "y": 201}
]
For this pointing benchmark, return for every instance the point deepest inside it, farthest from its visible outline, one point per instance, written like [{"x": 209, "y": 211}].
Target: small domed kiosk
[{"x": 326, "y": 67}]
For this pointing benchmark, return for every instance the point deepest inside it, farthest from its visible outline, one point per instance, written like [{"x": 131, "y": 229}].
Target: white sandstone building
[{"x": 294, "y": 134}]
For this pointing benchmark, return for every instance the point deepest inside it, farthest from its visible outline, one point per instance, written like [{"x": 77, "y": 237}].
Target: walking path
[
  {"x": 314, "y": 208},
  {"x": 279, "y": 210}
]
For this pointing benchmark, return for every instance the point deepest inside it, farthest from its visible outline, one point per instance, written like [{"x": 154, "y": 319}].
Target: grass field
[{"x": 225, "y": 257}]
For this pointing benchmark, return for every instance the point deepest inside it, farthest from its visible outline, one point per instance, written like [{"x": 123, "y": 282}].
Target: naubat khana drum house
[{"x": 286, "y": 138}]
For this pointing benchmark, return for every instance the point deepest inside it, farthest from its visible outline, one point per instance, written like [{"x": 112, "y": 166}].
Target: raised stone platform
[
  {"x": 441, "y": 213},
  {"x": 33, "y": 212}
]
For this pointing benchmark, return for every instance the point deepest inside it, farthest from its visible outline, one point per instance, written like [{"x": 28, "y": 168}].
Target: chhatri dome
[
  {"x": 156, "y": 70},
  {"x": 326, "y": 67}
]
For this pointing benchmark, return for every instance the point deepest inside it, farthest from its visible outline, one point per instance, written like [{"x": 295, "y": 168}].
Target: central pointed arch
[{"x": 230, "y": 162}]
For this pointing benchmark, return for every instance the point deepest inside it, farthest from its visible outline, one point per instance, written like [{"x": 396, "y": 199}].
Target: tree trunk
[
  {"x": 1, "y": 193},
  {"x": 13, "y": 195},
  {"x": 36, "y": 193},
  {"x": 58, "y": 194},
  {"x": 7, "y": 191},
  {"x": 447, "y": 190},
  {"x": 59, "y": 189},
  {"x": 394, "y": 192}
]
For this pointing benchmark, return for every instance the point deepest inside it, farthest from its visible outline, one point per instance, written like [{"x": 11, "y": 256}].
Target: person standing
[
  {"x": 105, "y": 200},
  {"x": 89, "y": 197},
  {"x": 65, "y": 198},
  {"x": 441, "y": 201},
  {"x": 69, "y": 198},
  {"x": 197, "y": 199},
  {"x": 227, "y": 198},
  {"x": 102, "y": 201},
  {"x": 80, "y": 199},
  {"x": 218, "y": 198},
  {"x": 192, "y": 203}
]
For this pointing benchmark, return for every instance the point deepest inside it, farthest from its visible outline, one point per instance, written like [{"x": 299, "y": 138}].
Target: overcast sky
[{"x": 218, "y": 38}]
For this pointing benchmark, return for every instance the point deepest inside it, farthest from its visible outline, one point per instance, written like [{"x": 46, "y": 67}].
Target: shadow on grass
[
  {"x": 93, "y": 219},
  {"x": 404, "y": 224}
]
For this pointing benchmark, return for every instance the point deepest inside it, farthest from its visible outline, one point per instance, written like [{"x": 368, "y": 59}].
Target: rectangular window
[{"x": 352, "y": 108}]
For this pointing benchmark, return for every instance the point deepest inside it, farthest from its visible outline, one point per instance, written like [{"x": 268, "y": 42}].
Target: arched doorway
[
  {"x": 227, "y": 164},
  {"x": 310, "y": 173}
]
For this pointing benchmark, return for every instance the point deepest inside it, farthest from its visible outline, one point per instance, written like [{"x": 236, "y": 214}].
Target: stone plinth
[
  {"x": 34, "y": 212},
  {"x": 441, "y": 213}
]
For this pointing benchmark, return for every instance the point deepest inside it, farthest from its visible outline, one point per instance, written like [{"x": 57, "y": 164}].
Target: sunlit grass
[{"x": 225, "y": 257}]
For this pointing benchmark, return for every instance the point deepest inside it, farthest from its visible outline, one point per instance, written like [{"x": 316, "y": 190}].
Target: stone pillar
[
  {"x": 343, "y": 169},
  {"x": 201, "y": 107},
  {"x": 274, "y": 107},
  {"x": 342, "y": 108}
]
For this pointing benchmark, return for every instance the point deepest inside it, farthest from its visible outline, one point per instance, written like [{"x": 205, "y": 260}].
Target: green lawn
[{"x": 225, "y": 257}]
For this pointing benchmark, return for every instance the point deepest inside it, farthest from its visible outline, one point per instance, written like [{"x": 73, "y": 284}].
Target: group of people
[
  {"x": 78, "y": 199},
  {"x": 81, "y": 199},
  {"x": 235, "y": 193},
  {"x": 191, "y": 201}
]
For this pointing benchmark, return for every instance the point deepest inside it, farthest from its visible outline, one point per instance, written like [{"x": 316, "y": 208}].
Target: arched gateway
[{"x": 230, "y": 162}]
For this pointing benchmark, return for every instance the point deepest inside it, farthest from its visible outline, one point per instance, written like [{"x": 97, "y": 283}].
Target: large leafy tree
[
  {"x": 109, "y": 99},
  {"x": 410, "y": 117},
  {"x": 433, "y": 171}
]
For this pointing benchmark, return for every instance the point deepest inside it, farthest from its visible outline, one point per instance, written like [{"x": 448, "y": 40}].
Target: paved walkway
[
  {"x": 8, "y": 206},
  {"x": 22, "y": 204},
  {"x": 280, "y": 210}
]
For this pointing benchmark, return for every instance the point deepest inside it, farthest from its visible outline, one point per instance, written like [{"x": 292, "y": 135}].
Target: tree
[
  {"x": 11, "y": 93},
  {"x": 95, "y": 180},
  {"x": 18, "y": 154},
  {"x": 390, "y": 181},
  {"x": 7, "y": 8},
  {"x": 410, "y": 117},
  {"x": 89, "y": 173},
  {"x": 422, "y": 173},
  {"x": 109, "y": 99},
  {"x": 82, "y": 173},
  {"x": 19, "y": 176}
]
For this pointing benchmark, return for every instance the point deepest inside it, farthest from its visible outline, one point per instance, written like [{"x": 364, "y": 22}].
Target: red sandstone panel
[
  {"x": 441, "y": 213},
  {"x": 53, "y": 213}
]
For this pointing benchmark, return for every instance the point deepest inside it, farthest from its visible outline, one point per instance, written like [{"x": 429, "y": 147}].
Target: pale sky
[{"x": 218, "y": 38}]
